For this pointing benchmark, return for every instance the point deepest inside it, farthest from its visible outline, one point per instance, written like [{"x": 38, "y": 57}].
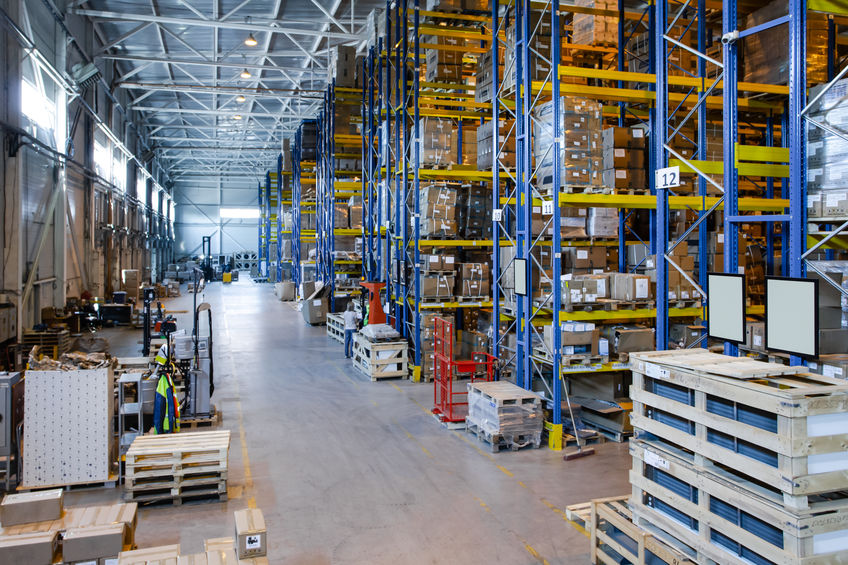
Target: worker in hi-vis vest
[{"x": 166, "y": 407}]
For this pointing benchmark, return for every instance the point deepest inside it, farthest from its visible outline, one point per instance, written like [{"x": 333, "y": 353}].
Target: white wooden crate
[
  {"x": 335, "y": 327},
  {"x": 380, "y": 360}
]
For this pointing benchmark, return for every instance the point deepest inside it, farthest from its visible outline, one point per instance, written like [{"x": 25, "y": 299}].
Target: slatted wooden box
[{"x": 766, "y": 421}]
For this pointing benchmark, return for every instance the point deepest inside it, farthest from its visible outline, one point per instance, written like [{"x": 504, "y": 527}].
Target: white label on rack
[
  {"x": 316, "y": 302},
  {"x": 832, "y": 371},
  {"x": 655, "y": 460},
  {"x": 668, "y": 177},
  {"x": 621, "y": 173},
  {"x": 720, "y": 238},
  {"x": 582, "y": 254},
  {"x": 619, "y": 152},
  {"x": 655, "y": 371},
  {"x": 497, "y": 215},
  {"x": 448, "y": 259},
  {"x": 637, "y": 132},
  {"x": 758, "y": 341},
  {"x": 548, "y": 207},
  {"x": 253, "y": 542}
]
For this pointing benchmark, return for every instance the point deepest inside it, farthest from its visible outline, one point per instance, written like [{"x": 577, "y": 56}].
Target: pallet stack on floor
[
  {"x": 739, "y": 461},
  {"x": 177, "y": 467}
]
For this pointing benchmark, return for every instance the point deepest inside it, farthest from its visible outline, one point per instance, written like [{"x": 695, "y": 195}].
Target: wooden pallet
[
  {"x": 380, "y": 360},
  {"x": 497, "y": 442},
  {"x": 800, "y": 418},
  {"x": 111, "y": 483},
  {"x": 210, "y": 421},
  {"x": 615, "y": 539},
  {"x": 720, "y": 505},
  {"x": 335, "y": 327},
  {"x": 628, "y": 304},
  {"x": 598, "y": 306},
  {"x": 177, "y": 466}
]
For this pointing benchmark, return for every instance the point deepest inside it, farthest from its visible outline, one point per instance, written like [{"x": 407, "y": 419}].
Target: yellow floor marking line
[
  {"x": 505, "y": 471},
  {"x": 248, "y": 474},
  {"x": 564, "y": 516},
  {"x": 529, "y": 548},
  {"x": 483, "y": 504},
  {"x": 521, "y": 484},
  {"x": 480, "y": 451},
  {"x": 532, "y": 551}
]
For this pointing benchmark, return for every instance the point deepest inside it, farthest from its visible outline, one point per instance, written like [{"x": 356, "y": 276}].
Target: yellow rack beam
[
  {"x": 744, "y": 169},
  {"x": 638, "y": 314},
  {"x": 649, "y": 78},
  {"x": 452, "y": 16},
  {"x": 649, "y": 202},
  {"x": 347, "y": 231}
]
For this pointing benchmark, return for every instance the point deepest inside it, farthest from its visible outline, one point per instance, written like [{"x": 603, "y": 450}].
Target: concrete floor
[{"x": 350, "y": 471}]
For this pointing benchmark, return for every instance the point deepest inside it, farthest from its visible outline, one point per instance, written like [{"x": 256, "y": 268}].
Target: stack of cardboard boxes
[
  {"x": 582, "y": 154},
  {"x": 131, "y": 282},
  {"x": 436, "y": 138},
  {"x": 827, "y": 155},
  {"x": 475, "y": 212},
  {"x": 592, "y": 29},
  {"x": 438, "y": 210},
  {"x": 37, "y": 530},
  {"x": 506, "y": 144},
  {"x": 474, "y": 280},
  {"x": 444, "y": 65},
  {"x": 625, "y": 158},
  {"x": 343, "y": 65}
]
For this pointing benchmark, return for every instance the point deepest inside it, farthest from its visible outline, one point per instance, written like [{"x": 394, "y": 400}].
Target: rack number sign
[
  {"x": 497, "y": 215},
  {"x": 668, "y": 177},
  {"x": 548, "y": 207}
]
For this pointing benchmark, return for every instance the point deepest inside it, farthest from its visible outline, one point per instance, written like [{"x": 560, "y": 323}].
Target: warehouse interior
[{"x": 424, "y": 281}]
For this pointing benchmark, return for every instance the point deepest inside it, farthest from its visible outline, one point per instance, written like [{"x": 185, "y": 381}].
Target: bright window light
[
  {"x": 240, "y": 213},
  {"x": 102, "y": 156},
  {"x": 141, "y": 187},
  {"x": 154, "y": 200},
  {"x": 36, "y": 107}
]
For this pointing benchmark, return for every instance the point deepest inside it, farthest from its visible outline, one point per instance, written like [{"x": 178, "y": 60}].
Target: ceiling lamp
[
  {"x": 251, "y": 41},
  {"x": 240, "y": 98},
  {"x": 237, "y": 117},
  {"x": 245, "y": 74}
]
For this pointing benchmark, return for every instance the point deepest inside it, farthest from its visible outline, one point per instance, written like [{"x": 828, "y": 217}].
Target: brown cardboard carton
[
  {"x": 437, "y": 286},
  {"x": 161, "y": 555},
  {"x": 474, "y": 271},
  {"x": 87, "y": 516},
  {"x": 755, "y": 336},
  {"x": 94, "y": 542},
  {"x": 29, "y": 507},
  {"x": 217, "y": 544},
  {"x": 29, "y": 549},
  {"x": 629, "y": 287},
  {"x": 624, "y": 137},
  {"x": 250, "y": 533},
  {"x": 224, "y": 556}
]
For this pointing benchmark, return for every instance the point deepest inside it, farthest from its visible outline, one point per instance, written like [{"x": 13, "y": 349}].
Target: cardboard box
[
  {"x": 250, "y": 533},
  {"x": 627, "y": 339},
  {"x": 755, "y": 336},
  {"x": 217, "y": 544},
  {"x": 29, "y": 507},
  {"x": 162, "y": 555},
  {"x": 833, "y": 340},
  {"x": 630, "y": 287},
  {"x": 437, "y": 286},
  {"x": 29, "y": 549},
  {"x": 224, "y": 556},
  {"x": 624, "y": 137},
  {"x": 835, "y": 366},
  {"x": 96, "y": 542},
  {"x": 589, "y": 257}
]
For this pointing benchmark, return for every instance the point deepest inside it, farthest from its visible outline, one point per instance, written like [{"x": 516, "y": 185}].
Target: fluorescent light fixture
[
  {"x": 240, "y": 213},
  {"x": 250, "y": 41}
]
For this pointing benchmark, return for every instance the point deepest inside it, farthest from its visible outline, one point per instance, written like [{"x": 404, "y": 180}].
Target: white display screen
[
  {"x": 520, "y": 274},
  {"x": 726, "y": 306},
  {"x": 792, "y": 315}
]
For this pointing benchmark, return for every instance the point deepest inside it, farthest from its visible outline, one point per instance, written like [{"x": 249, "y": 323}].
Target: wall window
[
  {"x": 36, "y": 107},
  {"x": 102, "y": 155},
  {"x": 154, "y": 198},
  {"x": 240, "y": 213},
  {"x": 141, "y": 187}
]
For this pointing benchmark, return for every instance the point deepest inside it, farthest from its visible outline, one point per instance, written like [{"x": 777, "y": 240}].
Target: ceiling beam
[
  {"x": 270, "y": 26},
  {"x": 221, "y": 113},
  {"x": 256, "y": 92}
]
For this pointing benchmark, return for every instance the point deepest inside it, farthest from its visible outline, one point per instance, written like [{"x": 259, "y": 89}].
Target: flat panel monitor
[
  {"x": 726, "y": 306},
  {"x": 520, "y": 276},
  {"x": 792, "y": 307}
]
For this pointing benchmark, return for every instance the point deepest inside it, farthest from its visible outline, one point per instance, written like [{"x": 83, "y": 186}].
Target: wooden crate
[
  {"x": 335, "y": 327},
  {"x": 709, "y": 509},
  {"x": 177, "y": 466},
  {"x": 796, "y": 426},
  {"x": 380, "y": 359},
  {"x": 616, "y": 539}
]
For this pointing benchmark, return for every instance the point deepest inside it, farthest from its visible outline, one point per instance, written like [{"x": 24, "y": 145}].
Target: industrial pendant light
[
  {"x": 240, "y": 98},
  {"x": 245, "y": 74},
  {"x": 250, "y": 41}
]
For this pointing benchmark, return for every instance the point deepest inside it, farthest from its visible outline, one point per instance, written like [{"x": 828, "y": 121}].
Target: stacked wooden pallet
[
  {"x": 335, "y": 327},
  {"x": 52, "y": 343},
  {"x": 177, "y": 467},
  {"x": 740, "y": 461}
]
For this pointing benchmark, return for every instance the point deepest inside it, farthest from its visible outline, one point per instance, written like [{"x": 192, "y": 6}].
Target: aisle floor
[{"x": 352, "y": 471}]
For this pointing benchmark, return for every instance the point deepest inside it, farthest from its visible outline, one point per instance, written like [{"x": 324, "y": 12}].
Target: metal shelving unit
[{"x": 301, "y": 205}]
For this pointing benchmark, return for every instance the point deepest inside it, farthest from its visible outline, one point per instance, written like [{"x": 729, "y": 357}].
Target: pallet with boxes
[
  {"x": 504, "y": 415},
  {"x": 739, "y": 461}
]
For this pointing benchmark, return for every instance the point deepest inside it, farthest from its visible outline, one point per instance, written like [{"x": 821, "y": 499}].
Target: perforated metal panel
[{"x": 68, "y": 427}]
